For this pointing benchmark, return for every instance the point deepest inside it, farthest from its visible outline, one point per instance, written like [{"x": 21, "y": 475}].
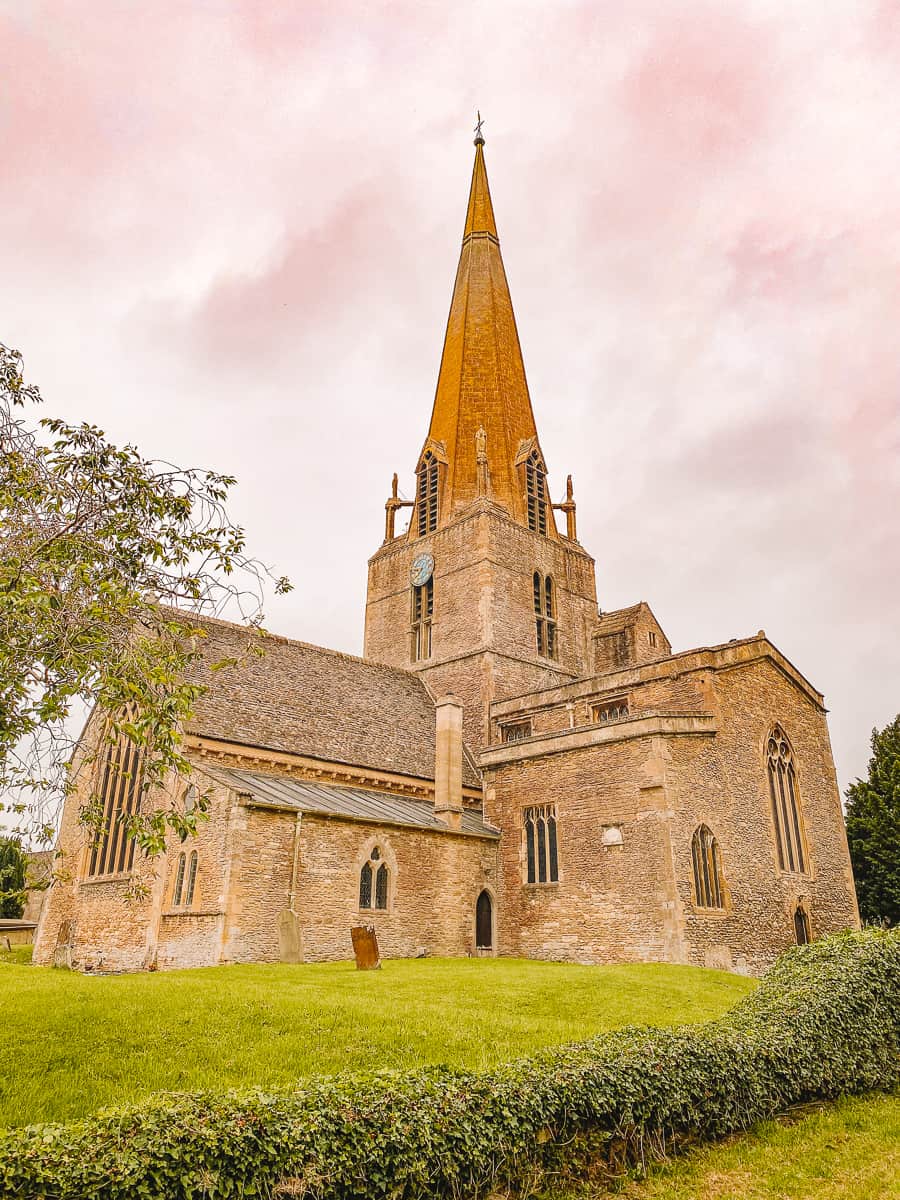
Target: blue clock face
[{"x": 421, "y": 570}]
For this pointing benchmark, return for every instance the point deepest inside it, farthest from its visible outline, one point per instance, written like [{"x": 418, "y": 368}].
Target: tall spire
[{"x": 481, "y": 383}]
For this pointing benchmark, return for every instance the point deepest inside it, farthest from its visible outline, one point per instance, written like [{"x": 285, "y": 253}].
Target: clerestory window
[
  {"x": 536, "y": 492},
  {"x": 427, "y": 494},
  {"x": 545, "y": 614},
  {"x": 784, "y": 796},
  {"x": 373, "y": 882},
  {"x": 119, "y": 779},
  {"x": 422, "y": 614},
  {"x": 708, "y": 892},
  {"x": 541, "y": 858}
]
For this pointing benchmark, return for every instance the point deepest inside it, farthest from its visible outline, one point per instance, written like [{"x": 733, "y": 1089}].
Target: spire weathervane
[{"x": 479, "y": 136}]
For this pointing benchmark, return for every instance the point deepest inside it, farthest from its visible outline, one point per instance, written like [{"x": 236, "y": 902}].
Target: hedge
[{"x": 824, "y": 1021}]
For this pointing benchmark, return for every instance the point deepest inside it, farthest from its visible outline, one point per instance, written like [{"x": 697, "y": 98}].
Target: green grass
[
  {"x": 846, "y": 1151},
  {"x": 71, "y": 1043}
]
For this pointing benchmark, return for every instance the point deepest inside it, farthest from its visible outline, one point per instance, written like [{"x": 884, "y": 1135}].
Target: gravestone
[{"x": 365, "y": 947}]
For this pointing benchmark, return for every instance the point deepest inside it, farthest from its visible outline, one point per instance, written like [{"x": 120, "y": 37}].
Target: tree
[
  {"x": 13, "y": 865},
  {"x": 104, "y": 556},
  {"x": 873, "y": 829}
]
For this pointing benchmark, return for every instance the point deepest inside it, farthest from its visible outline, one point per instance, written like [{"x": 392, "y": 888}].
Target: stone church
[{"x": 507, "y": 770}]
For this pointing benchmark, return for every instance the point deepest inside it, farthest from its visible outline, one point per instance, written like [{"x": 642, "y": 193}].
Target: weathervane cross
[{"x": 479, "y": 136}]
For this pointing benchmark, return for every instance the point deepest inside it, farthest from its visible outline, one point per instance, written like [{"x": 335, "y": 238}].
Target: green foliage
[
  {"x": 13, "y": 867},
  {"x": 98, "y": 545},
  {"x": 826, "y": 1021},
  {"x": 873, "y": 829}
]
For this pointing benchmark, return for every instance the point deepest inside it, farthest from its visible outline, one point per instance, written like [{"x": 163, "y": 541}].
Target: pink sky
[{"x": 230, "y": 230}]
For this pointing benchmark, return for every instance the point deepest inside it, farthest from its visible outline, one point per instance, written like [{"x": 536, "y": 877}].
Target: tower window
[
  {"x": 516, "y": 731},
  {"x": 545, "y": 615},
  {"x": 427, "y": 494},
  {"x": 375, "y": 870},
  {"x": 707, "y": 869},
  {"x": 119, "y": 795},
  {"x": 785, "y": 802},
  {"x": 422, "y": 613},
  {"x": 610, "y": 710},
  {"x": 536, "y": 492},
  {"x": 801, "y": 926},
  {"x": 541, "y": 860}
]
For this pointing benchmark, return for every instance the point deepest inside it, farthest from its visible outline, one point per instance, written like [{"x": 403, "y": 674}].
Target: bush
[{"x": 825, "y": 1021}]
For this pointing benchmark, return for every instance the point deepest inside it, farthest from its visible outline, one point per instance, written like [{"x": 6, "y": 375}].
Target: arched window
[
  {"x": 536, "y": 492},
  {"x": 545, "y": 614},
  {"x": 427, "y": 494},
  {"x": 801, "y": 926},
  {"x": 707, "y": 869},
  {"x": 191, "y": 880},
  {"x": 541, "y": 862},
  {"x": 785, "y": 802},
  {"x": 179, "y": 881},
  {"x": 374, "y": 870},
  {"x": 118, "y": 794},
  {"x": 484, "y": 922},
  {"x": 422, "y": 615}
]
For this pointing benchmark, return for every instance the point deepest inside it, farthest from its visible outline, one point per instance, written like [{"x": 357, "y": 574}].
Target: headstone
[{"x": 365, "y": 947}]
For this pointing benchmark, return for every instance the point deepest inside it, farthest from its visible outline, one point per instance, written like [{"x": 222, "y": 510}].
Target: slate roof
[
  {"x": 307, "y": 700},
  {"x": 296, "y": 795}
]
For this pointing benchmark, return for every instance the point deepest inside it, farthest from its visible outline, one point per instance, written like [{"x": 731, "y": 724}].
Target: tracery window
[
  {"x": 611, "y": 710},
  {"x": 373, "y": 882},
  {"x": 427, "y": 494},
  {"x": 422, "y": 614},
  {"x": 541, "y": 859},
  {"x": 545, "y": 614},
  {"x": 536, "y": 492},
  {"x": 707, "y": 869},
  {"x": 516, "y": 731},
  {"x": 784, "y": 796},
  {"x": 119, "y": 793}
]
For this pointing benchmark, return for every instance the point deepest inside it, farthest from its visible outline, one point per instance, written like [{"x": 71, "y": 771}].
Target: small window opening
[
  {"x": 541, "y": 859},
  {"x": 516, "y": 731},
  {"x": 651, "y": 637},
  {"x": 801, "y": 926},
  {"x": 610, "y": 710}
]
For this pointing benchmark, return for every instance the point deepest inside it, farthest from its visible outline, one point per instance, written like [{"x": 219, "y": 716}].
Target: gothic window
[
  {"x": 375, "y": 870},
  {"x": 179, "y": 881},
  {"x": 541, "y": 862},
  {"x": 191, "y": 880},
  {"x": 119, "y": 794},
  {"x": 785, "y": 801},
  {"x": 707, "y": 869},
  {"x": 536, "y": 492},
  {"x": 422, "y": 613},
  {"x": 610, "y": 710},
  {"x": 427, "y": 494},
  {"x": 801, "y": 926},
  {"x": 484, "y": 922},
  {"x": 516, "y": 731},
  {"x": 545, "y": 615}
]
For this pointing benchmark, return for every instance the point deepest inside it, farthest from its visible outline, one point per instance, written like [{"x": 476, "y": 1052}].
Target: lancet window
[
  {"x": 536, "y": 492},
  {"x": 784, "y": 795},
  {"x": 545, "y": 614},
  {"x": 427, "y": 494},
  {"x": 185, "y": 880},
  {"x": 118, "y": 794},
  {"x": 373, "y": 882},
  {"x": 422, "y": 614},
  {"x": 801, "y": 926},
  {"x": 707, "y": 869},
  {"x": 541, "y": 859}
]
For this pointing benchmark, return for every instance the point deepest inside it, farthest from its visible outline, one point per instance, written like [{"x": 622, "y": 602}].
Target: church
[{"x": 508, "y": 770}]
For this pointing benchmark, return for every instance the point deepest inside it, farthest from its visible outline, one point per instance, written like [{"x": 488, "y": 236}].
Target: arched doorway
[
  {"x": 484, "y": 922},
  {"x": 801, "y": 926}
]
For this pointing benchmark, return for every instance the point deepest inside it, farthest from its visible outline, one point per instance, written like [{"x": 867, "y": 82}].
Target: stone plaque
[{"x": 365, "y": 947}]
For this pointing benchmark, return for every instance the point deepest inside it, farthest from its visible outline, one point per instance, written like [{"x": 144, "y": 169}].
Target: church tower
[{"x": 482, "y": 594}]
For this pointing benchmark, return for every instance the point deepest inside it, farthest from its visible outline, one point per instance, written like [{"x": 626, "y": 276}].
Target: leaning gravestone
[{"x": 365, "y": 947}]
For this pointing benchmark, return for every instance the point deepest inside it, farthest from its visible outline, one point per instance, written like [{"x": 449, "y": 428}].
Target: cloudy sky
[{"x": 229, "y": 232}]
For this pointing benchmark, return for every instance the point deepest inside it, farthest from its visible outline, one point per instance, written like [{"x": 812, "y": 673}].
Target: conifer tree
[
  {"x": 873, "y": 829},
  {"x": 13, "y": 865}
]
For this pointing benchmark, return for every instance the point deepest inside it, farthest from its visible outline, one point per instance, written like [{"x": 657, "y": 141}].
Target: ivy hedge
[{"x": 825, "y": 1021}]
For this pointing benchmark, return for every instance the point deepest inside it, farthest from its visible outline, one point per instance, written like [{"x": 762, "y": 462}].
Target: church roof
[
  {"x": 335, "y": 800},
  {"x": 481, "y": 383},
  {"x": 306, "y": 700}
]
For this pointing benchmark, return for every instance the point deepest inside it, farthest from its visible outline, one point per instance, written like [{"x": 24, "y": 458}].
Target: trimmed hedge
[{"x": 824, "y": 1021}]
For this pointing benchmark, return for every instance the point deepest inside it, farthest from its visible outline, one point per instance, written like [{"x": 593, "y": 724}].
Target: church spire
[{"x": 481, "y": 384}]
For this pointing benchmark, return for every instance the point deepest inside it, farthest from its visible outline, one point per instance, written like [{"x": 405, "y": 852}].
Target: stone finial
[
  {"x": 448, "y": 761},
  {"x": 482, "y": 474}
]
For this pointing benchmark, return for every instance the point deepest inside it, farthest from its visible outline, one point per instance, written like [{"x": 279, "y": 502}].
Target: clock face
[{"x": 421, "y": 570}]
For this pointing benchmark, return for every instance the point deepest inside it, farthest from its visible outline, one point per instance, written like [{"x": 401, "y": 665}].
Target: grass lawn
[
  {"x": 71, "y": 1043},
  {"x": 846, "y": 1151}
]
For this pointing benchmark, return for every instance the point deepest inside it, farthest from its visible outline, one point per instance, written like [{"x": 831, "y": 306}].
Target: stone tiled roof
[
  {"x": 307, "y": 700},
  {"x": 617, "y": 620},
  {"x": 337, "y": 801}
]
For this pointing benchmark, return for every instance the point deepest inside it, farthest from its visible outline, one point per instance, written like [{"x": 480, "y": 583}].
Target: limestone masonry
[{"x": 507, "y": 770}]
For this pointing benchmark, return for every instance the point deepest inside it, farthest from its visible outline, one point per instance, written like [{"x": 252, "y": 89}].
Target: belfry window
[
  {"x": 784, "y": 797},
  {"x": 427, "y": 494},
  {"x": 545, "y": 615},
  {"x": 707, "y": 869},
  {"x": 536, "y": 492},
  {"x": 119, "y": 795},
  {"x": 422, "y": 613},
  {"x": 541, "y": 860},
  {"x": 373, "y": 882}
]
